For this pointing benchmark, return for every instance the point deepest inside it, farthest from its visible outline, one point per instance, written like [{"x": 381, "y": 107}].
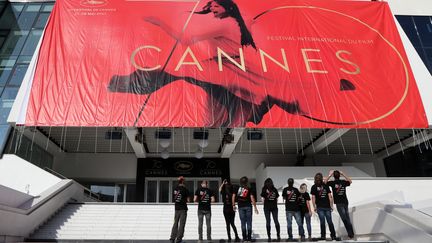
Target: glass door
[{"x": 159, "y": 190}]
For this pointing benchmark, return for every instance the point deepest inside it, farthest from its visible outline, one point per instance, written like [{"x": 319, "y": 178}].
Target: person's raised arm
[
  {"x": 326, "y": 179},
  {"x": 254, "y": 203},
  {"x": 221, "y": 186},
  {"x": 346, "y": 177}
]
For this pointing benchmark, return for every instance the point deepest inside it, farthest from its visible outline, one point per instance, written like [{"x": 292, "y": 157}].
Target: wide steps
[{"x": 116, "y": 221}]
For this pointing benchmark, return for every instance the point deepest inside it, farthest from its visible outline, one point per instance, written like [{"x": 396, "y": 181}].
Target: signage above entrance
[
  {"x": 188, "y": 167},
  {"x": 223, "y": 63}
]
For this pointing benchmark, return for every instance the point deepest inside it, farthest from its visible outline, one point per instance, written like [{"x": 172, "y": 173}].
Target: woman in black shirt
[
  {"x": 270, "y": 195},
  {"x": 306, "y": 212},
  {"x": 226, "y": 191}
]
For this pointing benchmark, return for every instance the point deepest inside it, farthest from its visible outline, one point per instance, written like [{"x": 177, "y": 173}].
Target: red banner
[{"x": 242, "y": 63}]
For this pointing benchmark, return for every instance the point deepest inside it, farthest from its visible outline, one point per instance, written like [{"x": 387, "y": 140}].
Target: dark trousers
[
  {"x": 325, "y": 214},
  {"x": 274, "y": 213},
  {"x": 306, "y": 217},
  {"x": 229, "y": 221},
  {"x": 297, "y": 217},
  {"x": 344, "y": 215},
  {"x": 245, "y": 214},
  {"x": 177, "y": 231},
  {"x": 201, "y": 215}
]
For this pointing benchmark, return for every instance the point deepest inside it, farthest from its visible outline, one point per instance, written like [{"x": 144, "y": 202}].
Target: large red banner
[{"x": 241, "y": 63}]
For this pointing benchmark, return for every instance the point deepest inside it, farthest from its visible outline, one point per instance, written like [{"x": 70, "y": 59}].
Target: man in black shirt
[
  {"x": 340, "y": 198},
  {"x": 291, "y": 195},
  {"x": 245, "y": 200},
  {"x": 204, "y": 197},
  {"x": 322, "y": 202},
  {"x": 180, "y": 198}
]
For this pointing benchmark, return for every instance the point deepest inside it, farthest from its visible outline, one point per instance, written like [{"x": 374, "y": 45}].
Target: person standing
[
  {"x": 180, "y": 198},
  {"x": 340, "y": 197},
  {"x": 322, "y": 201},
  {"x": 245, "y": 200},
  {"x": 291, "y": 197},
  {"x": 204, "y": 197},
  {"x": 270, "y": 195},
  {"x": 226, "y": 191},
  {"x": 305, "y": 209}
]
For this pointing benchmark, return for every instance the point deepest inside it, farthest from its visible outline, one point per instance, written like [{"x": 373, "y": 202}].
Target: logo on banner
[{"x": 183, "y": 166}]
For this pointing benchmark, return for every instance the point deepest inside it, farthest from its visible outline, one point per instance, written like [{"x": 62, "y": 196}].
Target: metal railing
[{"x": 87, "y": 191}]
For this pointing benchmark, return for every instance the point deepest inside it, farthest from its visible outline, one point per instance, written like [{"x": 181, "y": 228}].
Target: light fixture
[
  {"x": 199, "y": 153},
  {"x": 203, "y": 143},
  {"x": 165, "y": 154},
  {"x": 164, "y": 143}
]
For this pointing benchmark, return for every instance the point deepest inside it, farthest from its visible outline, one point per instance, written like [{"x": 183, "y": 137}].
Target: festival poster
[{"x": 223, "y": 63}]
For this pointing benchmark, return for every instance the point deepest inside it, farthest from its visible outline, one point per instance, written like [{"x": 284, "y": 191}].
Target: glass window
[
  {"x": 47, "y": 7},
  {"x": 214, "y": 187},
  {"x": 164, "y": 191},
  {"x": 14, "y": 42},
  {"x": 4, "y": 133},
  {"x": 131, "y": 193},
  {"x": 106, "y": 193},
  {"x": 18, "y": 75},
  {"x": 408, "y": 26},
  {"x": 5, "y": 69},
  {"x": 28, "y": 16},
  {"x": 119, "y": 190},
  {"x": 24, "y": 59},
  {"x": 41, "y": 20},
  {"x": 424, "y": 27},
  {"x": 31, "y": 43},
  {"x": 151, "y": 191},
  {"x": 10, "y": 15},
  {"x": 428, "y": 52}
]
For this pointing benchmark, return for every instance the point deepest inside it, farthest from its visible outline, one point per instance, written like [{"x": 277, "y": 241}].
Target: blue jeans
[
  {"x": 274, "y": 213},
  {"x": 297, "y": 216},
  {"x": 344, "y": 215},
  {"x": 325, "y": 214},
  {"x": 245, "y": 214},
  {"x": 307, "y": 216}
]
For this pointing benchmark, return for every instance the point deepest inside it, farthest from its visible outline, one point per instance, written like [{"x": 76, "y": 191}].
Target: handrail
[{"x": 91, "y": 194}]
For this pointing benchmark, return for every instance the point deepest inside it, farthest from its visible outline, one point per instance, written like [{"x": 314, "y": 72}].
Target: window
[
  {"x": 18, "y": 75},
  {"x": 14, "y": 42}
]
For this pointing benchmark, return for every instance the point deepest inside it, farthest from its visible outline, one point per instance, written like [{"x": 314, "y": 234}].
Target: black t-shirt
[
  {"x": 204, "y": 198},
  {"x": 339, "y": 191},
  {"x": 304, "y": 197},
  {"x": 227, "y": 201},
  {"x": 244, "y": 197},
  {"x": 321, "y": 194},
  {"x": 291, "y": 196},
  {"x": 270, "y": 197},
  {"x": 180, "y": 196}
]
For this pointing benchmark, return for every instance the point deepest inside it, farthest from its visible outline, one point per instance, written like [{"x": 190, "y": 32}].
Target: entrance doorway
[{"x": 159, "y": 190}]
